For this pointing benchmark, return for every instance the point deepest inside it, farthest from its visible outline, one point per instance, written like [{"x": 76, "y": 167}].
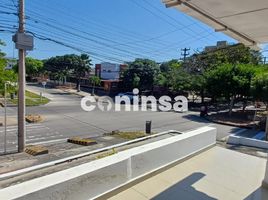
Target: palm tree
[
  {"x": 82, "y": 66},
  {"x": 94, "y": 80}
]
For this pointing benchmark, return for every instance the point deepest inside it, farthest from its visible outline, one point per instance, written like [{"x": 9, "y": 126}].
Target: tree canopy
[
  {"x": 234, "y": 54},
  {"x": 69, "y": 64},
  {"x": 259, "y": 87},
  {"x": 229, "y": 80},
  {"x": 6, "y": 76},
  {"x": 140, "y": 74},
  {"x": 33, "y": 66}
]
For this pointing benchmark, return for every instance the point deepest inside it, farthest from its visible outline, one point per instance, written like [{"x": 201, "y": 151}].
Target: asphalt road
[{"x": 65, "y": 118}]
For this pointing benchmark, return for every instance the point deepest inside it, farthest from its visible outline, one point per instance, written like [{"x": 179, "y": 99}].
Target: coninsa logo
[{"x": 134, "y": 102}]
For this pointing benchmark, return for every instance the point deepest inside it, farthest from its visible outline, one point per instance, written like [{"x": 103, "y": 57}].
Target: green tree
[
  {"x": 197, "y": 86},
  {"x": 179, "y": 80},
  {"x": 33, "y": 66},
  {"x": 259, "y": 86},
  {"x": 70, "y": 64},
  {"x": 166, "y": 67},
  {"x": 161, "y": 80},
  {"x": 6, "y": 75},
  {"x": 141, "y": 73},
  {"x": 58, "y": 67},
  {"x": 81, "y": 67},
  {"x": 233, "y": 54},
  {"x": 95, "y": 81},
  {"x": 230, "y": 82},
  {"x": 174, "y": 76}
]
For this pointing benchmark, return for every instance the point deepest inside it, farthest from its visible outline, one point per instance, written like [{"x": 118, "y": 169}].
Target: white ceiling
[{"x": 243, "y": 20}]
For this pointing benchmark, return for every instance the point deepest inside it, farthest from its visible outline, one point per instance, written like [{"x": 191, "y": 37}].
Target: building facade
[{"x": 109, "y": 71}]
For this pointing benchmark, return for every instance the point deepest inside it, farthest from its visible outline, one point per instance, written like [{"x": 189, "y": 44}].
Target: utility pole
[
  {"x": 21, "y": 97},
  {"x": 185, "y": 53},
  {"x": 23, "y": 42}
]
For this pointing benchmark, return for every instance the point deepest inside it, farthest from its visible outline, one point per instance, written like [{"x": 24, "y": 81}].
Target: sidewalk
[
  {"x": 74, "y": 91},
  {"x": 49, "y": 96},
  {"x": 215, "y": 174}
]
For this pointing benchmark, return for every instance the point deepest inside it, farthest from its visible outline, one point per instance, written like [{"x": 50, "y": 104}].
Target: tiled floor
[{"x": 215, "y": 174}]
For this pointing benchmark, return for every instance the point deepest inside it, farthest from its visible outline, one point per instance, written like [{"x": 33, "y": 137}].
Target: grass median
[{"x": 32, "y": 99}]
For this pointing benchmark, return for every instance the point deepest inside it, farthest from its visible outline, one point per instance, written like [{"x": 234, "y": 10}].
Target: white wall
[
  {"x": 95, "y": 178},
  {"x": 239, "y": 140}
]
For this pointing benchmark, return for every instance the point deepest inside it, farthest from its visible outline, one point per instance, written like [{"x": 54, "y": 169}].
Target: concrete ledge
[
  {"x": 36, "y": 150},
  {"x": 101, "y": 176},
  {"x": 82, "y": 141},
  {"x": 238, "y": 140}
]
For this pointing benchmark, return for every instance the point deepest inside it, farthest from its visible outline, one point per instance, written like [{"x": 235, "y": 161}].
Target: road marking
[
  {"x": 50, "y": 141},
  {"x": 42, "y": 138},
  {"x": 28, "y": 129},
  {"x": 8, "y": 130},
  {"x": 27, "y": 125}
]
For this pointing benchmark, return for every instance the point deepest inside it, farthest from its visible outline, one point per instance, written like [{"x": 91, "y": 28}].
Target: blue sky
[{"x": 108, "y": 30}]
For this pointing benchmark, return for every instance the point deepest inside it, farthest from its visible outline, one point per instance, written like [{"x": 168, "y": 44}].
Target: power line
[
  {"x": 195, "y": 34},
  {"x": 97, "y": 35},
  {"x": 174, "y": 19},
  {"x": 148, "y": 10},
  {"x": 92, "y": 54},
  {"x": 101, "y": 48},
  {"x": 100, "y": 25},
  {"x": 87, "y": 38},
  {"x": 161, "y": 47},
  {"x": 102, "y": 43}
]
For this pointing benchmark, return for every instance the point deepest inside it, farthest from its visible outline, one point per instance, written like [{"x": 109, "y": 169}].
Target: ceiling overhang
[{"x": 243, "y": 20}]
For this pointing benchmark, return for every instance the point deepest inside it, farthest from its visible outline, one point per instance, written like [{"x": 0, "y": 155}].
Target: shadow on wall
[{"x": 184, "y": 190}]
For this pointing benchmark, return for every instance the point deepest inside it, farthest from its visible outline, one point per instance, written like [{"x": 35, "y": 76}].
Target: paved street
[{"x": 63, "y": 118}]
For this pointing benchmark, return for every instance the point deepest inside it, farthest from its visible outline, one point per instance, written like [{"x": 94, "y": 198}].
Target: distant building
[
  {"x": 220, "y": 44},
  {"x": 10, "y": 63},
  {"x": 109, "y": 74},
  {"x": 109, "y": 71}
]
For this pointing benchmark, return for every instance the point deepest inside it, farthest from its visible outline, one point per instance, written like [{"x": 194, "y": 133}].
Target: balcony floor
[{"x": 214, "y": 174}]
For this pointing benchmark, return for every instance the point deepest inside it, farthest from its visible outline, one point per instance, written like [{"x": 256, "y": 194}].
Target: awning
[{"x": 244, "y": 20}]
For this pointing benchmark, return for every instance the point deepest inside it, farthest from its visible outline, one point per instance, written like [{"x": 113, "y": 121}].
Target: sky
[{"x": 108, "y": 30}]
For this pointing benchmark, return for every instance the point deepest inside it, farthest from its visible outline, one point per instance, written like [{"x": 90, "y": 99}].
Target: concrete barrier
[
  {"x": 239, "y": 140},
  {"x": 98, "y": 177},
  {"x": 265, "y": 180}
]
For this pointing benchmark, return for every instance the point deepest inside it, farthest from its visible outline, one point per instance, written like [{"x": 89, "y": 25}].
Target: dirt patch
[
  {"x": 245, "y": 119},
  {"x": 33, "y": 118},
  {"x": 128, "y": 135}
]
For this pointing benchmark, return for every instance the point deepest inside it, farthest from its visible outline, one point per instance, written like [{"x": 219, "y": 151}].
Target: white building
[{"x": 108, "y": 71}]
